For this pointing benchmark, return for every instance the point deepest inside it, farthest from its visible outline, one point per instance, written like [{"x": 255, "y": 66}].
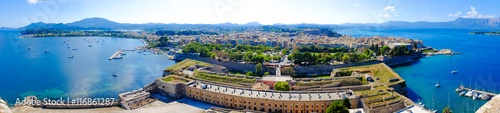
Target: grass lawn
[
  {"x": 324, "y": 76},
  {"x": 225, "y": 79},
  {"x": 377, "y": 70},
  {"x": 186, "y": 63}
]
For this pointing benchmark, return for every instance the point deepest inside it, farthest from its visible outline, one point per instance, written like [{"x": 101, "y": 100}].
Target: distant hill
[
  {"x": 7, "y": 28},
  {"x": 105, "y": 24},
  {"x": 458, "y": 23}
]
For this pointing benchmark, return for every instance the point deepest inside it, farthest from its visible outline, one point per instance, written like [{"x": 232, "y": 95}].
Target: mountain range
[{"x": 105, "y": 24}]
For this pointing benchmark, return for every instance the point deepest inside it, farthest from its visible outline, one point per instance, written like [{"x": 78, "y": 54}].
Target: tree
[
  {"x": 258, "y": 69},
  {"x": 266, "y": 73},
  {"x": 163, "y": 41},
  {"x": 447, "y": 110},
  {"x": 288, "y": 71},
  {"x": 250, "y": 73},
  {"x": 347, "y": 103},
  {"x": 282, "y": 86},
  {"x": 337, "y": 107},
  {"x": 385, "y": 50},
  {"x": 277, "y": 48}
]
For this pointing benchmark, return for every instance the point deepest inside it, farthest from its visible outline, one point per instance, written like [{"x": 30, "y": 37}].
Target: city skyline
[{"x": 23, "y": 12}]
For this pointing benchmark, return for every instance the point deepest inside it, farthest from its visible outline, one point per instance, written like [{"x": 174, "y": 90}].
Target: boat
[
  {"x": 462, "y": 93},
  {"x": 47, "y": 51},
  {"x": 75, "y": 49},
  {"x": 470, "y": 93},
  {"x": 481, "y": 96},
  {"x": 29, "y": 48},
  {"x": 458, "y": 90},
  {"x": 486, "y": 97},
  {"x": 475, "y": 96},
  {"x": 70, "y": 56},
  {"x": 454, "y": 71},
  {"x": 115, "y": 75},
  {"x": 437, "y": 85},
  {"x": 90, "y": 45}
]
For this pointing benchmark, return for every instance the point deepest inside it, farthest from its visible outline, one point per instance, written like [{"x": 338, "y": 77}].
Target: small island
[{"x": 486, "y": 33}]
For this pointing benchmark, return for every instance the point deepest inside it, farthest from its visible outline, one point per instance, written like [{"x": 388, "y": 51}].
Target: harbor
[
  {"x": 475, "y": 94},
  {"x": 117, "y": 55}
]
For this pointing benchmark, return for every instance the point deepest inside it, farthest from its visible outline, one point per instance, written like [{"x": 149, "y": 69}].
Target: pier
[
  {"x": 117, "y": 55},
  {"x": 482, "y": 92}
]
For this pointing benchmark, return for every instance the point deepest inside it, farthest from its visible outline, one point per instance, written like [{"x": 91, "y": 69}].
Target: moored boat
[{"x": 462, "y": 93}]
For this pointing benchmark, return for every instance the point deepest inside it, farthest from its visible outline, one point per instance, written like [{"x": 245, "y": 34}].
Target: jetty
[
  {"x": 117, "y": 55},
  {"x": 482, "y": 92}
]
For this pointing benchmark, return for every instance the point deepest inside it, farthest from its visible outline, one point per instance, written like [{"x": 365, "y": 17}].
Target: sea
[
  {"x": 478, "y": 67},
  {"x": 26, "y": 72},
  {"x": 88, "y": 74}
]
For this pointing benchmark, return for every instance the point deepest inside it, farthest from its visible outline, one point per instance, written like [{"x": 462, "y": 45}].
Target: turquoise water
[
  {"x": 480, "y": 64},
  {"x": 26, "y": 72}
]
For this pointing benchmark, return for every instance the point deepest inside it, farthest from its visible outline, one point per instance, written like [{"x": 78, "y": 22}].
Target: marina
[
  {"x": 474, "y": 94},
  {"x": 117, "y": 55}
]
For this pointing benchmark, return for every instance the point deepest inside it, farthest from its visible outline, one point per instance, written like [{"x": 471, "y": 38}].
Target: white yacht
[
  {"x": 475, "y": 96},
  {"x": 470, "y": 93},
  {"x": 462, "y": 93}
]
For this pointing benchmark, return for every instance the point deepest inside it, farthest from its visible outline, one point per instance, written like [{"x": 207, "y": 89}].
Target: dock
[
  {"x": 117, "y": 55},
  {"x": 482, "y": 92}
]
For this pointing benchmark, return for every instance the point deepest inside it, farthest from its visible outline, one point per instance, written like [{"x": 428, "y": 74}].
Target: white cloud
[
  {"x": 456, "y": 14},
  {"x": 385, "y": 16},
  {"x": 427, "y": 15},
  {"x": 474, "y": 14},
  {"x": 38, "y": 1},
  {"x": 356, "y": 5},
  {"x": 396, "y": 15},
  {"x": 390, "y": 8}
]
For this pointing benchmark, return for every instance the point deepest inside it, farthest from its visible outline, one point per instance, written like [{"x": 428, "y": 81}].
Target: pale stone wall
[
  {"x": 167, "y": 89},
  {"x": 326, "y": 69},
  {"x": 260, "y": 104}
]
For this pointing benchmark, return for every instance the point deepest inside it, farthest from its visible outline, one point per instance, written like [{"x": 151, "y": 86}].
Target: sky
[{"x": 18, "y": 13}]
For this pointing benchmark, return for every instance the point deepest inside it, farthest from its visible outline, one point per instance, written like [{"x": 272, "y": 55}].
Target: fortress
[{"x": 176, "y": 83}]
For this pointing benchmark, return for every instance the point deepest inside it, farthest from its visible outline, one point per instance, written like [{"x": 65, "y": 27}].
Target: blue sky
[{"x": 18, "y": 13}]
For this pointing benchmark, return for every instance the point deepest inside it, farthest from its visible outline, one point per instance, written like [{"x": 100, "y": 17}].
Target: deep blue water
[
  {"x": 26, "y": 72},
  {"x": 480, "y": 64}
]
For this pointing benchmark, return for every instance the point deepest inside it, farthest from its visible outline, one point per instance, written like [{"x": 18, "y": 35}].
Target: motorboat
[
  {"x": 458, "y": 90},
  {"x": 75, "y": 49},
  {"x": 475, "y": 96},
  {"x": 47, "y": 51},
  {"x": 29, "y": 48},
  {"x": 454, "y": 71},
  {"x": 462, "y": 93},
  {"x": 115, "y": 75},
  {"x": 481, "y": 96},
  {"x": 70, "y": 56},
  {"x": 90, "y": 45},
  {"x": 470, "y": 93},
  {"x": 437, "y": 85},
  {"x": 486, "y": 97}
]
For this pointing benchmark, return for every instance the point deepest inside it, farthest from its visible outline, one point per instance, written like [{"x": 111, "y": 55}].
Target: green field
[{"x": 186, "y": 63}]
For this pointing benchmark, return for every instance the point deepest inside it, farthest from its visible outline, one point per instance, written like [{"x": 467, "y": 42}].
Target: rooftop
[
  {"x": 275, "y": 95},
  {"x": 282, "y": 78}
]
